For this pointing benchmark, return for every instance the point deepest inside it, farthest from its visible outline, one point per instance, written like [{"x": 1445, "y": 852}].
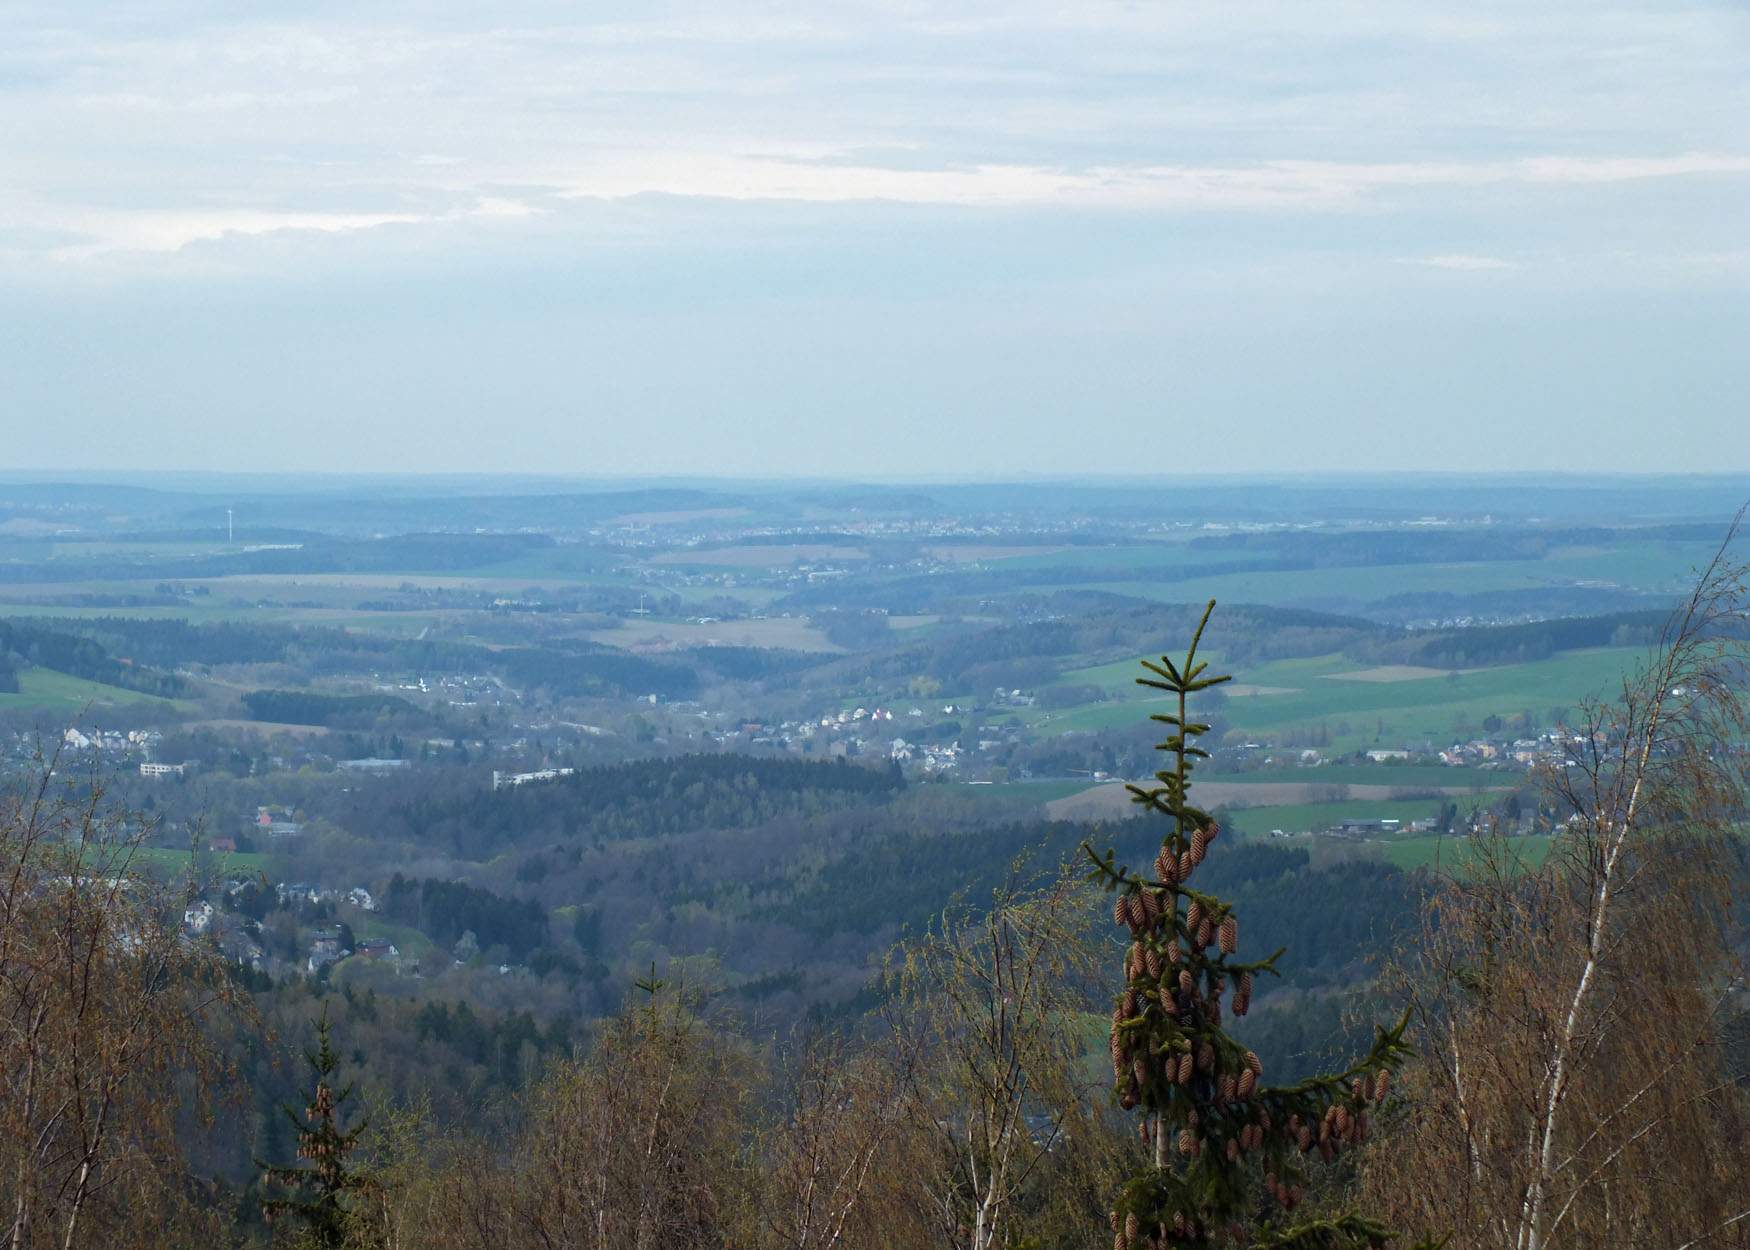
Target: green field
[
  {"x": 1037, "y": 791},
  {"x": 1653, "y": 565},
  {"x": 1312, "y": 817},
  {"x": 410, "y": 942},
  {"x": 1409, "y": 776},
  {"x": 1451, "y": 853},
  {"x": 1359, "y": 714},
  {"x": 45, "y": 688},
  {"x": 166, "y": 862}
]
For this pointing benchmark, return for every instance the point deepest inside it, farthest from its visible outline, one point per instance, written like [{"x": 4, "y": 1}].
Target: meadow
[
  {"x": 45, "y": 688},
  {"x": 1314, "y": 696}
]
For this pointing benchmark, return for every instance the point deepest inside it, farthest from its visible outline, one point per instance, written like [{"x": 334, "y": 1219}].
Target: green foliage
[
  {"x": 445, "y": 910},
  {"x": 304, "y": 707},
  {"x": 321, "y": 1191},
  {"x": 640, "y": 798},
  {"x": 24, "y": 644},
  {"x": 1219, "y": 1136}
]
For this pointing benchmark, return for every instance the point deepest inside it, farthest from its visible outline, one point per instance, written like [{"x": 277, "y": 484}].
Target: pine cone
[
  {"x": 1187, "y": 1142},
  {"x": 1342, "y": 1122},
  {"x": 1304, "y": 1139},
  {"x": 1213, "y": 829},
  {"x": 1116, "y": 1222},
  {"x": 1255, "y": 1064},
  {"x": 1230, "y": 935},
  {"x": 1226, "y": 1087},
  {"x": 1132, "y": 1227},
  {"x": 1151, "y": 907},
  {"x": 1187, "y": 865},
  {"x": 1121, "y": 909},
  {"x": 1173, "y": 951},
  {"x": 1242, "y": 1003},
  {"x": 1187, "y": 983},
  {"x": 1233, "y": 1151},
  {"x": 1167, "y": 1003},
  {"x": 1185, "y": 1069},
  {"x": 1247, "y": 1083},
  {"x": 1199, "y": 844},
  {"x": 1381, "y": 1084},
  {"x": 1139, "y": 1070},
  {"x": 1151, "y": 962},
  {"x": 1206, "y": 1058},
  {"x": 1164, "y": 858},
  {"x": 1205, "y": 933},
  {"x": 1193, "y": 916}
]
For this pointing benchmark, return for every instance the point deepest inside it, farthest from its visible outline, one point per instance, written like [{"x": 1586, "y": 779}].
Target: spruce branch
[{"x": 1219, "y": 1136}]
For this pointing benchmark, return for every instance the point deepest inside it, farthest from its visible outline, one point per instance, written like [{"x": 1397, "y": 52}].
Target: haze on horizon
[{"x": 878, "y": 240}]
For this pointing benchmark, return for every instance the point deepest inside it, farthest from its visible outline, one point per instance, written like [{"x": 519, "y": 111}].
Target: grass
[
  {"x": 1651, "y": 565},
  {"x": 170, "y": 862},
  {"x": 1312, "y": 817},
  {"x": 409, "y": 941},
  {"x": 1038, "y": 791},
  {"x": 1408, "y": 776},
  {"x": 1447, "y": 852},
  {"x": 1359, "y": 714},
  {"x": 46, "y": 688}
]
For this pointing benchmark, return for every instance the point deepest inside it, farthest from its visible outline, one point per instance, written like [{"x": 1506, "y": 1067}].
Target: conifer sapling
[
  {"x": 323, "y": 1184},
  {"x": 1227, "y": 1148}
]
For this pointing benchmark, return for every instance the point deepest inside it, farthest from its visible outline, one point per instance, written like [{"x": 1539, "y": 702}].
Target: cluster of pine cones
[
  {"x": 1161, "y": 979},
  {"x": 1127, "y": 1232},
  {"x": 1167, "y": 1047}
]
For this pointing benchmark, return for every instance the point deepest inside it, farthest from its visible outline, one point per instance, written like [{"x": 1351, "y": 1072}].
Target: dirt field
[
  {"x": 793, "y": 634},
  {"x": 758, "y": 556},
  {"x": 1110, "y": 799},
  {"x": 676, "y": 518},
  {"x": 972, "y": 553},
  {"x": 260, "y": 727},
  {"x": 1391, "y": 672}
]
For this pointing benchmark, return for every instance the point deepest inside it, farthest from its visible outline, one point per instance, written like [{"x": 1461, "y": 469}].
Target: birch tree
[
  {"x": 107, "y": 1024},
  {"x": 1572, "y": 1090},
  {"x": 985, "y": 1009}
]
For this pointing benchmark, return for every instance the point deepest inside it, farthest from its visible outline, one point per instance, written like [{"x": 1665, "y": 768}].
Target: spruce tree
[
  {"x": 1229, "y": 1151},
  {"x": 319, "y": 1189}
]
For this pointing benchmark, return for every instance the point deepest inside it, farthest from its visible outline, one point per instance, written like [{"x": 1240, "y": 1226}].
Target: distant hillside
[{"x": 25, "y": 645}]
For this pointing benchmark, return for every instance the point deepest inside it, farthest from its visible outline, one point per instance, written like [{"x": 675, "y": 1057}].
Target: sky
[{"x": 875, "y": 240}]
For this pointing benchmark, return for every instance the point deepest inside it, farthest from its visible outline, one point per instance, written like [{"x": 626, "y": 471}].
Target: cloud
[
  {"x": 447, "y": 195},
  {"x": 1462, "y": 262},
  {"x": 1284, "y": 184}
]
